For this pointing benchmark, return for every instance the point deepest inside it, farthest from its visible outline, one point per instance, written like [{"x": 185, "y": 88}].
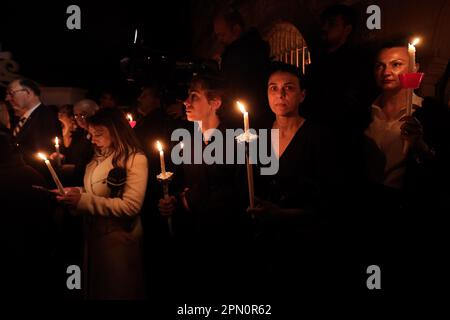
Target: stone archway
[{"x": 288, "y": 45}]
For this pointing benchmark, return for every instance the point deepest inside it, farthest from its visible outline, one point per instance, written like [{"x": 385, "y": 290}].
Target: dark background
[{"x": 36, "y": 34}]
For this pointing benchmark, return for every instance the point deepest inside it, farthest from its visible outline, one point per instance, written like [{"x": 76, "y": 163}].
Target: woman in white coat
[{"x": 114, "y": 188}]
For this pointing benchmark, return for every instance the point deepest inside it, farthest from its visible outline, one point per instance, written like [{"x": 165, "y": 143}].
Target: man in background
[
  {"x": 38, "y": 125},
  {"x": 244, "y": 62}
]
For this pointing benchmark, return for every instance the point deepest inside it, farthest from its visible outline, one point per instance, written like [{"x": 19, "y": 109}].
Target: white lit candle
[
  {"x": 58, "y": 156},
  {"x": 161, "y": 157},
  {"x": 130, "y": 120},
  {"x": 411, "y": 68},
  {"x": 412, "y": 54},
  {"x": 52, "y": 172},
  {"x": 251, "y": 191},
  {"x": 410, "y": 92},
  {"x": 245, "y": 113},
  {"x": 164, "y": 178}
]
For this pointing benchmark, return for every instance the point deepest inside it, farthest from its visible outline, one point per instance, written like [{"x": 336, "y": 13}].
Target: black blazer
[
  {"x": 38, "y": 135},
  {"x": 218, "y": 198}
]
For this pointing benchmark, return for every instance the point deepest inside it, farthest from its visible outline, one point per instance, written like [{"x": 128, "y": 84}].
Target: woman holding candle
[
  {"x": 303, "y": 149},
  {"x": 75, "y": 148},
  {"x": 211, "y": 216},
  {"x": 391, "y": 126},
  {"x": 209, "y": 192},
  {"x": 293, "y": 206},
  {"x": 399, "y": 179},
  {"x": 404, "y": 188},
  {"x": 113, "y": 252},
  {"x": 206, "y": 188},
  {"x": 68, "y": 123}
]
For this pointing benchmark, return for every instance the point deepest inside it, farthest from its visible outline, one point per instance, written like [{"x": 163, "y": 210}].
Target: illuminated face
[
  {"x": 198, "y": 108},
  {"x": 284, "y": 94},
  {"x": 390, "y": 63},
  {"x": 100, "y": 136},
  {"x": 19, "y": 97},
  {"x": 81, "y": 111}
]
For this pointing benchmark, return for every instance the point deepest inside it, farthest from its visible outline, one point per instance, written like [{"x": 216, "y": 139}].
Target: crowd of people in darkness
[{"x": 355, "y": 170}]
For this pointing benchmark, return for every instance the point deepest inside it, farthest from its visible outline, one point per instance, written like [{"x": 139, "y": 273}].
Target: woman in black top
[
  {"x": 211, "y": 217},
  {"x": 76, "y": 149},
  {"x": 295, "y": 204},
  {"x": 307, "y": 168}
]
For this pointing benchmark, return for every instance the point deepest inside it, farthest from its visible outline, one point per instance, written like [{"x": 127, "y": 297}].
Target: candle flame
[
  {"x": 159, "y": 146},
  {"x": 129, "y": 117},
  {"x": 135, "y": 35},
  {"x": 181, "y": 145},
  {"x": 241, "y": 107},
  {"x": 415, "y": 41},
  {"x": 42, "y": 156},
  {"x": 56, "y": 141}
]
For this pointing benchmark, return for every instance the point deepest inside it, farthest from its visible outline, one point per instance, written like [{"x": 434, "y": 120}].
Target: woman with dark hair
[
  {"x": 114, "y": 188},
  {"x": 305, "y": 153},
  {"x": 76, "y": 150},
  {"x": 293, "y": 207},
  {"x": 68, "y": 123}
]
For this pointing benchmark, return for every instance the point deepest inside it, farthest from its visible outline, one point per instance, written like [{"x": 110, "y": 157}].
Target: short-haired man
[
  {"x": 244, "y": 63},
  {"x": 38, "y": 125}
]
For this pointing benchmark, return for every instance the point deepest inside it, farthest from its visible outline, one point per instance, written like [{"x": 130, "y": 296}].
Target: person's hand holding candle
[
  {"x": 71, "y": 198},
  {"x": 54, "y": 156},
  {"x": 167, "y": 206},
  {"x": 412, "y": 133}
]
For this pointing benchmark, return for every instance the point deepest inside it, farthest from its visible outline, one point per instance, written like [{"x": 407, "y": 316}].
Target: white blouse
[{"x": 387, "y": 162}]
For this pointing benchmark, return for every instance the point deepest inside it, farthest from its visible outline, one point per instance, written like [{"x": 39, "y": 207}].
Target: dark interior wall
[{"x": 428, "y": 19}]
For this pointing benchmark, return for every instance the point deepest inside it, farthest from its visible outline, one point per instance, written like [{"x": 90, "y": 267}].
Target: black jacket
[
  {"x": 27, "y": 229},
  {"x": 217, "y": 197},
  {"x": 244, "y": 65},
  {"x": 38, "y": 135}
]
